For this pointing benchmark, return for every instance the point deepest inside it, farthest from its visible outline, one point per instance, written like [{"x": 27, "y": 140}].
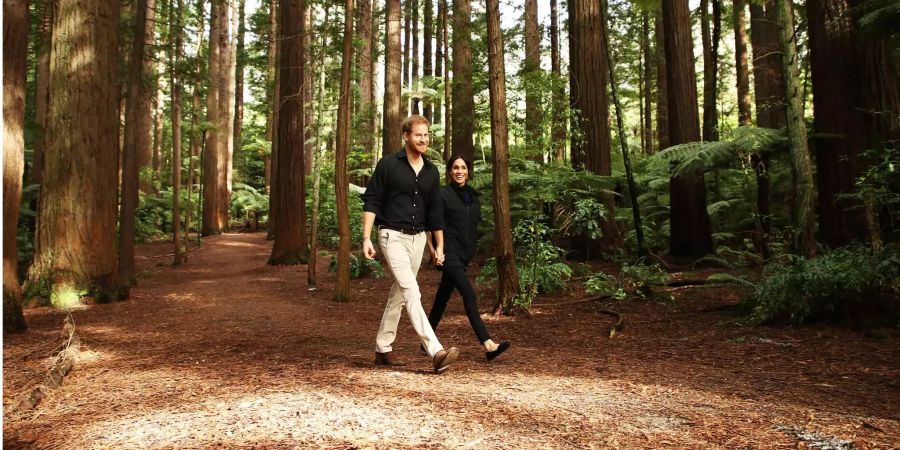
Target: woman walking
[{"x": 462, "y": 213}]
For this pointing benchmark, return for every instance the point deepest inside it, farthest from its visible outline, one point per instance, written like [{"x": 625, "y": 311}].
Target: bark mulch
[{"x": 225, "y": 351}]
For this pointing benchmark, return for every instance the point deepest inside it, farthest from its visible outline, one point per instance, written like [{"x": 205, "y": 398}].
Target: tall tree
[
  {"x": 341, "y": 177},
  {"x": 691, "y": 230},
  {"x": 227, "y": 52},
  {"x": 860, "y": 112},
  {"x": 366, "y": 76},
  {"x": 662, "y": 86},
  {"x": 463, "y": 117},
  {"x": 211, "y": 154},
  {"x": 531, "y": 74},
  {"x": 391, "y": 133},
  {"x": 558, "y": 132},
  {"x": 796, "y": 129},
  {"x": 448, "y": 124},
  {"x": 414, "y": 77},
  {"x": 646, "y": 77},
  {"x": 507, "y": 276},
  {"x": 138, "y": 131},
  {"x": 314, "y": 135},
  {"x": 439, "y": 56},
  {"x": 427, "y": 55},
  {"x": 76, "y": 251},
  {"x": 290, "y": 245},
  {"x": 407, "y": 32},
  {"x": 196, "y": 137},
  {"x": 15, "y": 50},
  {"x": 589, "y": 78},
  {"x": 710, "y": 67},
  {"x": 175, "y": 15},
  {"x": 271, "y": 57},
  {"x": 239, "y": 63},
  {"x": 742, "y": 68},
  {"x": 768, "y": 87},
  {"x": 42, "y": 90}
]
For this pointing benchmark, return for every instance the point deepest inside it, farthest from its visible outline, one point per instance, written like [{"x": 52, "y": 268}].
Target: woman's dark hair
[{"x": 453, "y": 159}]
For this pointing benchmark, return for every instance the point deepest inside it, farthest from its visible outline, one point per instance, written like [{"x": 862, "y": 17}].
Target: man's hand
[
  {"x": 438, "y": 255},
  {"x": 368, "y": 248}
]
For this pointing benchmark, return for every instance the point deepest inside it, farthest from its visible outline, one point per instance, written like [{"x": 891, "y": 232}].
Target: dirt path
[{"x": 228, "y": 352}]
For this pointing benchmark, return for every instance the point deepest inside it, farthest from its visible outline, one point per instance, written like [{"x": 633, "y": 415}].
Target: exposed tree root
[{"x": 62, "y": 365}]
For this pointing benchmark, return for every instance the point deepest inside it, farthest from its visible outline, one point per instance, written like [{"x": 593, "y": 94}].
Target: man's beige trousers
[{"x": 403, "y": 254}]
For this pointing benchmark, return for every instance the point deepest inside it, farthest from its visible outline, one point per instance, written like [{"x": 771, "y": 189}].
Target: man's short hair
[{"x": 412, "y": 121}]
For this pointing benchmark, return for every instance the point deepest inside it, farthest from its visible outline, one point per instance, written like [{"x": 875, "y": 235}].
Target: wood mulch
[{"x": 226, "y": 351}]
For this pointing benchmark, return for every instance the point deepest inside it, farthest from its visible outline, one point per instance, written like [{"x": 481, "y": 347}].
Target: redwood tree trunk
[
  {"x": 662, "y": 87},
  {"x": 414, "y": 77},
  {"x": 366, "y": 79},
  {"x": 175, "y": 77},
  {"x": 227, "y": 55},
  {"x": 42, "y": 90},
  {"x": 691, "y": 231},
  {"x": 439, "y": 56},
  {"x": 860, "y": 112},
  {"x": 407, "y": 22},
  {"x": 589, "y": 75},
  {"x": 270, "y": 93},
  {"x": 290, "y": 245},
  {"x": 710, "y": 68},
  {"x": 428, "y": 33},
  {"x": 76, "y": 252},
  {"x": 15, "y": 49},
  {"x": 138, "y": 129},
  {"x": 558, "y": 132},
  {"x": 507, "y": 277},
  {"x": 210, "y": 222},
  {"x": 463, "y": 117},
  {"x": 742, "y": 70},
  {"x": 391, "y": 134},
  {"x": 647, "y": 76},
  {"x": 342, "y": 151},
  {"x": 531, "y": 76}
]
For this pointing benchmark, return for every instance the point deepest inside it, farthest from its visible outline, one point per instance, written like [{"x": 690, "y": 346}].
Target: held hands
[
  {"x": 368, "y": 248},
  {"x": 437, "y": 256}
]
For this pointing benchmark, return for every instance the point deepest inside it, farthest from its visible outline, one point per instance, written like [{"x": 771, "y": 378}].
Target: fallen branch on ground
[{"x": 62, "y": 365}]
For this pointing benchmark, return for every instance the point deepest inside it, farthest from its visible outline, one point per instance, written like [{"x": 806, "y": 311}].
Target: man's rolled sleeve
[{"x": 375, "y": 190}]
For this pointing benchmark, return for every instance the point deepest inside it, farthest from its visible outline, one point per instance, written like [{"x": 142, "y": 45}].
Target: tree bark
[
  {"x": 407, "y": 22},
  {"x": 531, "y": 76},
  {"x": 366, "y": 78},
  {"x": 414, "y": 80},
  {"x": 342, "y": 151},
  {"x": 42, "y": 90},
  {"x": 228, "y": 56},
  {"x": 448, "y": 87},
  {"x": 691, "y": 231},
  {"x": 309, "y": 91},
  {"x": 863, "y": 112},
  {"x": 710, "y": 68},
  {"x": 270, "y": 93},
  {"x": 313, "y": 137},
  {"x": 76, "y": 252},
  {"x": 138, "y": 129},
  {"x": 507, "y": 276},
  {"x": 290, "y": 245},
  {"x": 662, "y": 87},
  {"x": 239, "y": 62},
  {"x": 558, "y": 133},
  {"x": 589, "y": 77},
  {"x": 175, "y": 77},
  {"x": 439, "y": 57},
  {"x": 391, "y": 134},
  {"x": 210, "y": 223},
  {"x": 647, "y": 77},
  {"x": 15, "y": 51},
  {"x": 462, "y": 120},
  {"x": 427, "y": 55},
  {"x": 195, "y": 139},
  {"x": 796, "y": 129},
  {"x": 742, "y": 70}
]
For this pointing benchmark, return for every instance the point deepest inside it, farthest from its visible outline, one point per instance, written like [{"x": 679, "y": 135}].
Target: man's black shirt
[{"x": 400, "y": 198}]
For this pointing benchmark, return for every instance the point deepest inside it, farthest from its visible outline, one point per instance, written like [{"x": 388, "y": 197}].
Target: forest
[{"x": 689, "y": 211}]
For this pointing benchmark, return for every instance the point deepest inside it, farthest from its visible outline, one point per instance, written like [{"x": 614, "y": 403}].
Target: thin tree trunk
[
  {"x": 341, "y": 177},
  {"x": 175, "y": 77},
  {"x": 647, "y": 77},
  {"x": 15, "y": 51},
  {"x": 210, "y": 222},
  {"x": 76, "y": 253},
  {"x": 392, "y": 135},
  {"x": 309, "y": 80},
  {"x": 463, "y": 119},
  {"x": 558, "y": 132},
  {"x": 238, "y": 84},
  {"x": 662, "y": 87},
  {"x": 507, "y": 277},
  {"x": 314, "y": 148},
  {"x": 414, "y": 80},
  {"x": 227, "y": 49},
  {"x": 691, "y": 231},
  {"x": 291, "y": 246},
  {"x": 138, "y": 129},
  {"x": 742, "y": 69},
  {"x": 427, "y": 55},
  {"x": 366, "y": 78},
  {"x": 531, "y": 76},
  {"x": 407, "y": 22},
  {"x": 195, "y": 140},
  {"x": 710, "y": 68},
  {"x": 448, "y": 86},
  {"x": 270, "y": 94},
  {"x": 796, "y": 128},
  {"x": 613, "y": 89},
  {"x": 439, "y": 57}
]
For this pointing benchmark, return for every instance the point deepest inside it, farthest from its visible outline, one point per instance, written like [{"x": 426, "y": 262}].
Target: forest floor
[{"x": 228, "y": 352}]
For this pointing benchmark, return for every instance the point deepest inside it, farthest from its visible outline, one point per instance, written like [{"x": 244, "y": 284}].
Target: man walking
[{"x": 400, "y": 200}]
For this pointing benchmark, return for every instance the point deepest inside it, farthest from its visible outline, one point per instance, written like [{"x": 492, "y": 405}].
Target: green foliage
[
  {"x": 701, "y": 157},
  {"x": 539, "y": 263},
  {"x": 328, "y": 227},
  {"x": 247, "y": 201},
  {"x": 636, "y": 280},
  {"x": 847, "y": 280},
  {"x": 879, "y": 186},
  {"x": 586, "y": 218},
  {"x": 360, "y": 267}
]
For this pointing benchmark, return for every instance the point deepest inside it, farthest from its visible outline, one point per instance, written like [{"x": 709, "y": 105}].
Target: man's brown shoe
[
  {"x": 444, "y": 358},
  {"x": 387, "y": 359}
]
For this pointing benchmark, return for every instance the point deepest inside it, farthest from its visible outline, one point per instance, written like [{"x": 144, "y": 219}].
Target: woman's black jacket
[{"x": 462, "y": 213}]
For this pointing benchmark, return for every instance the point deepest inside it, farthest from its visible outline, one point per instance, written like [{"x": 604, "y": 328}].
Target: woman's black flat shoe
[{"x": 504, "y": 346}]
